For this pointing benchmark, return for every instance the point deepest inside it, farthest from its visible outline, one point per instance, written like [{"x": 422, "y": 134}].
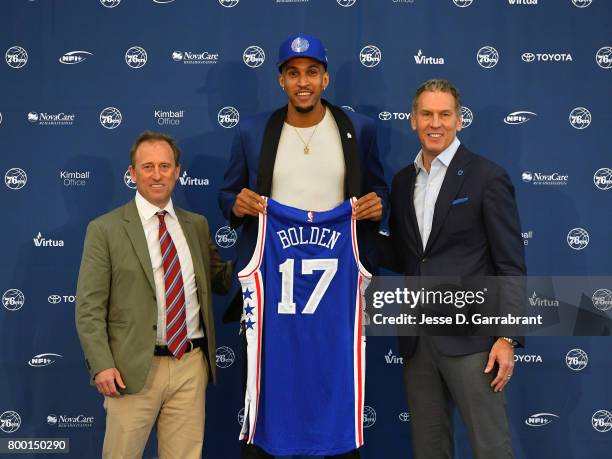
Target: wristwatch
[{"x": 512, "y": 342}]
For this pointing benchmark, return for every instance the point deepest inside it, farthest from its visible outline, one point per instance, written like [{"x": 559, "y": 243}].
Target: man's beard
[{"x": 304, "y": 110}]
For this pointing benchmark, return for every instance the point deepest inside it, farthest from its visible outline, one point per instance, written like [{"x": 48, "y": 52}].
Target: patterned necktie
[{"x": 176, "y": 323}]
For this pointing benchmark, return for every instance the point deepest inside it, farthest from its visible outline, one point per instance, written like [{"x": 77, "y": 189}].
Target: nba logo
[{"x": 310, "y": 216}]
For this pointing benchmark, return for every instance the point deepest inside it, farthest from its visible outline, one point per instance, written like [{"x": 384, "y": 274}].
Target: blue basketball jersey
[{"x": 303, "y": 317}]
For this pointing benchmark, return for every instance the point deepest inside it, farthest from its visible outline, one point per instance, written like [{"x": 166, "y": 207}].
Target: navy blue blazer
[
  {"x": 475, "y": 232},
  {"x": 251, "y": 166}
]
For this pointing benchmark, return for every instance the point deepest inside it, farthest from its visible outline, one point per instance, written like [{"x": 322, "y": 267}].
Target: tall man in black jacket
[{"x": 453, "y": 213}]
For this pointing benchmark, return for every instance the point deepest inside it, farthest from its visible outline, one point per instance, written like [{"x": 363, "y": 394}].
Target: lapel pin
[
  {"x": 460, "y": 172},
  {"x": 348, "y": 135}
]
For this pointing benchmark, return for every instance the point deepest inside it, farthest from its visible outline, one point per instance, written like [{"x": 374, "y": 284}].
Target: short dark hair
[
  {"x": 438, "y": 85},
  {"x": 149, "y": 136}
]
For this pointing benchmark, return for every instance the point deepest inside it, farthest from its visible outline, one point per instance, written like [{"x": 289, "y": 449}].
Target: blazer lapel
[
  {"x": 352, "y": 162},
  {"x": 193, "y": 242},
  {"x": 135, "y": 232},
  {"x": 410, "y": 214},
  {"x": 267, "y": 155},
  {"x": 455, "y": 175}
]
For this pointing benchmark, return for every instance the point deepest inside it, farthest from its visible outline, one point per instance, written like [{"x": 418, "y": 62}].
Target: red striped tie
[{"x": 176, "y": 323}]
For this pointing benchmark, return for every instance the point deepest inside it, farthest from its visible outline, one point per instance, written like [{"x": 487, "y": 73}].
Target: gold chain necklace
[{"x": 306, "y": 148}]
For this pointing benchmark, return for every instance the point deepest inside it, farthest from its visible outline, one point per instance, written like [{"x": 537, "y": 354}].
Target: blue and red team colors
[{"x": 303, "y": 316}]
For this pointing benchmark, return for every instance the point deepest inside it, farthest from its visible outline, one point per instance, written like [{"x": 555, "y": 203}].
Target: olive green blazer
[{"x": 116, "y": 309}]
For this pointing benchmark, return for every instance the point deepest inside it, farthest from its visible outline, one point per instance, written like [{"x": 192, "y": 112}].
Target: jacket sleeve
[
  {"x": 92, "y": 300},
  {"x": 236, "y": 178},
  {"x": 502, "y": 226}
]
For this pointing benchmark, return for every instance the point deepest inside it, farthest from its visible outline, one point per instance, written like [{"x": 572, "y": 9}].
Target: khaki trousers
[{"x": 173, "y": 396}]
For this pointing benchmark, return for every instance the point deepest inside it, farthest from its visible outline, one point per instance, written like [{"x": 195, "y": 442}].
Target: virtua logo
[
  {"x": 540, "y": 419},
  {"x": 522, "y": 2},
  {"x": 393, "y": 359},
  {"x": 43, "y": 360},
  {"x": 192, "y": 181},
  {"x": 535, "y": 300},
  {"x": 420, "y": 59},
  {"x": 40, "y": 241}
]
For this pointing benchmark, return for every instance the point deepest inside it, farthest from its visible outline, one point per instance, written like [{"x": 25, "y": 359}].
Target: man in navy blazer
[
  {"x": 453, "y": 213},
  {"x": 308, "y": 154}
]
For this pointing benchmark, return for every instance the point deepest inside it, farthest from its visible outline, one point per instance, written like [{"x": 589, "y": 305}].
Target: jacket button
[
  {"x": 154, "y": 327},
  {"x": 424, "y": 260}
]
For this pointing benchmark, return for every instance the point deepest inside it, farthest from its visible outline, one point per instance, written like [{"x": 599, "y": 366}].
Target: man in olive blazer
[{"x": 118, "y": 309}]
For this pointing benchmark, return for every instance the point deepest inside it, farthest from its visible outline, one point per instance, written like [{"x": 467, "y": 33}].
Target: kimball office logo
[
  {"x": 519, "y": 117},
  {"x": 254, "y": 56},
  {"x": 169, "y": 117},
  {"x": 537, "y": 301},
  {"x": 189, "y": 57},
  {"x": 539, "y": 178},
  {"x": 51, "y": 119},
  {"x": 74, "y": 57},
  {"x": 44, "y": 360},
  {"x": 16, "y": 57},
  {"x": 370, "y": 56},
  {"x": 136, "y": 57},
  {"x": 74, "y": 178},
  {"x": 421, "y": 59},
  {"x": 40, "y": 241},
  {"x": 527, "y": 236},
  {"x": 540, "y": 419}
]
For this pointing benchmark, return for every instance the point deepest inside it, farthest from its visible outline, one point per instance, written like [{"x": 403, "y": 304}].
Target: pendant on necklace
[{"x": 306, "y": 150}]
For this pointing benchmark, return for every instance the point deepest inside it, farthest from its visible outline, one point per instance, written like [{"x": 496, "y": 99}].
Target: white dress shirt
[
  {"x": 150, "y": 223},
  {"x": 427, "y": 187}
]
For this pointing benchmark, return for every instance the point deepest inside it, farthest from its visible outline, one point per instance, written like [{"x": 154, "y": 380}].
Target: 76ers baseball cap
[{"x": 301, "y": 46}]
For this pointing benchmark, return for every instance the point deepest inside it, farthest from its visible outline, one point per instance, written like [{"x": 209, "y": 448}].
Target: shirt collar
[
  {"x": 146, "y": 210},
  {"x": 445, "y": 157}
]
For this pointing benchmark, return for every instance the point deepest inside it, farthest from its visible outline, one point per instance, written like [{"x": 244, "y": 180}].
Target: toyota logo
[
  {"x": 54, "y": 299},
  {"x": 528, "y": 57},
  {"x": 384, "y": 116}
]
